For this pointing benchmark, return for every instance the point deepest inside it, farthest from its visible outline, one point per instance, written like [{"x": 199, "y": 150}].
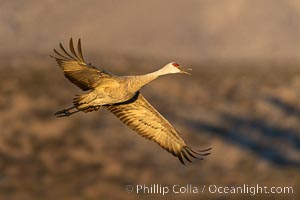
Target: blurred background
[{"x": 242, "y": 99}]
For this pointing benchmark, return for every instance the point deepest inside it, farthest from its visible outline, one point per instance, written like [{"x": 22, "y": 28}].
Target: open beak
[{"x": 185, "y": 70}]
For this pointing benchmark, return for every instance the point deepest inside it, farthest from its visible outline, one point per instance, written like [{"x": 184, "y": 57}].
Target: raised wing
[
  {"x": 140, "y": 116},
  {"x": 75, "y": 68}
]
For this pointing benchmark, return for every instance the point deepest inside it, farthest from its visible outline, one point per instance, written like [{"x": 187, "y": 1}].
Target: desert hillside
[{"x": 180, "y": 30}]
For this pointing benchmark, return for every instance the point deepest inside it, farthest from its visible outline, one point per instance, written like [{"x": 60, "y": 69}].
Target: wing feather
[
  {"x": 64, "y": 50},
  {"x": 75, "y": 68},
  {"x": 73, "y": 50},
  {"x": 139, "y": 115},
  {"x": 80, "y": 51}
]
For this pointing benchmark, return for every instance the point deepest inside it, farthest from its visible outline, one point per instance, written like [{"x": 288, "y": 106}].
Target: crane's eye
[{"x": 175, "y": 65}]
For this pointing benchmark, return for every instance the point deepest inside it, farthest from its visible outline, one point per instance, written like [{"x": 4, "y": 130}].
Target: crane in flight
[{"x": 121, "y": 96}]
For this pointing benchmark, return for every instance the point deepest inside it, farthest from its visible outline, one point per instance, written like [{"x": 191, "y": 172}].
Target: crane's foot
[{"x": 66, "y": 112}]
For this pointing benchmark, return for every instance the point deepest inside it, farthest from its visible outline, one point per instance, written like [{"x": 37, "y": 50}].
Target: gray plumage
[{"x": 120, "y": 95}]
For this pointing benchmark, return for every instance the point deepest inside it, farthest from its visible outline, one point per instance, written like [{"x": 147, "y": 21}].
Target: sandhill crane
[{"x": 121, "y": 96}]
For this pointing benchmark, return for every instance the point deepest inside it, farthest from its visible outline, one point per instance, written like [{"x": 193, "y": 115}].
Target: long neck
[
  {"x": 137, "y": 82},
  {"x": 157, "y": 73}
]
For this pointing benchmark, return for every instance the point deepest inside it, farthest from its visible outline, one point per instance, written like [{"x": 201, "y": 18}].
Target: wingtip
[
  {"x": 180, "y": 158},
  {"x": 71, "y": 42},
  {"x": 188, "y": 153},
  {"x": 55, "y": 52},
  {"x": 79, "y": 50},
  {"x": 79, "y": 43},
  {"x": 186, "y": 156},
  {"x": 206, "y": 154},
  {"x": 182, "y": 163},
  {"x": 208, "y": 149}
]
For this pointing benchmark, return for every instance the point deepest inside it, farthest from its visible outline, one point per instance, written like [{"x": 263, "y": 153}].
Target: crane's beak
[{"x": 185, "y": 70}]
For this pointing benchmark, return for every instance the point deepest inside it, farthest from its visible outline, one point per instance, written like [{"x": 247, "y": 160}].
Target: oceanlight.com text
[{"x": 211, "y": 189}]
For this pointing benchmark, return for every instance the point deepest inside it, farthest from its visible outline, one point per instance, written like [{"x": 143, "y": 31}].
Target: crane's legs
[{"x": 66, "y": 112}]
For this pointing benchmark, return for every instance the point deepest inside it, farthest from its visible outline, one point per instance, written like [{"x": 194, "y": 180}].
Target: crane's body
[
  {"x": 121, "y": 96},
  {"x": 112, "y": 90}
]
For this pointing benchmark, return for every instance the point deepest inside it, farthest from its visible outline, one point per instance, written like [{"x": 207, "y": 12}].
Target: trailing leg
[{"x": 66, "y": 112}]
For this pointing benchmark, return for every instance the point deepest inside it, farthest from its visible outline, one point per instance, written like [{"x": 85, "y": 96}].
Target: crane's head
[{"x": 174, "y": 68}]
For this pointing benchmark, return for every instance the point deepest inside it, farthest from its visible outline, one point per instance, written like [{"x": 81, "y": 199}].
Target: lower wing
[{"x": 139, "y": 115}]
